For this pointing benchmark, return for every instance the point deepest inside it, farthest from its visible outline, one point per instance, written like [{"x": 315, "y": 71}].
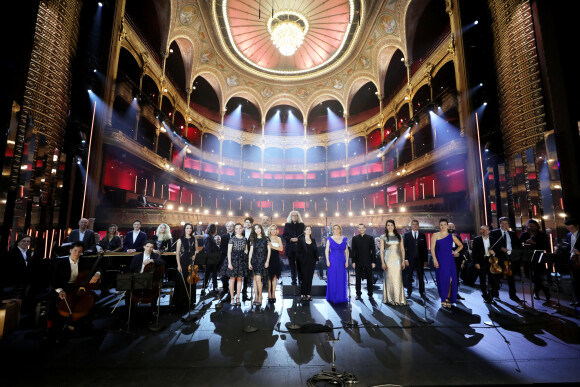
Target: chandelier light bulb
[{"x": 287, "y": 31}]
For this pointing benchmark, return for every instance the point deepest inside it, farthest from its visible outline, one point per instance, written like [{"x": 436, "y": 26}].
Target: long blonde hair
[
  {"x": 289, "y": 219},
  {"x": 163, "y": 236}
]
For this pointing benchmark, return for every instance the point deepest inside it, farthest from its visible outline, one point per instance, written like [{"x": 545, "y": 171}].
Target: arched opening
[
  {"x": 175, "y": 69},
  {"x": 364, "y": 105},
  {"x": 204, "y": 99},
  {"x": 128, "y": 69},
  {"x": 242, "y": 114},
  {"x": 143, "y": 15},
  {"x": 284, "y": 120},
  {"x": 427, "y": 22},
  {"x": 326, "y": 116},
  {"x": 396, "y": 76}
]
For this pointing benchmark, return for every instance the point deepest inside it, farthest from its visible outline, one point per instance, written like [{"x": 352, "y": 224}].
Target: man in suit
[
  {"x": 133, "y": 242},
  {"x": 141, "y": 260},
  {"x": 415, "y": 244},
  {"x": 292, "y": 230},
  {"x": 482, "y": 249},
  {"x": 363, "y": 259},
  {"x": 142, "y": 201},
  {"x": 83, "y": 234},
  {"x": 20, "y": 272},
  {"x": 507, "y": 241},
  {"x": 66, "y": 271},
  {"x": 573, "y": 250},
  {"x": 223, "y": 259}
]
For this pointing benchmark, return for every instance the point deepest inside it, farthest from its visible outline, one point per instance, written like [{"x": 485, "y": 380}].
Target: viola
[
  {"x": 507, "y": 269},
  {"x": 494, "y": 268}
]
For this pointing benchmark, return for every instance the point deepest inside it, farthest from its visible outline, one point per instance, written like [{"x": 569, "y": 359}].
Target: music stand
[
  {"x": 524, "y": 256},
  {"x": 207, "y": 259},
  {"x": 129, "y": 283}
]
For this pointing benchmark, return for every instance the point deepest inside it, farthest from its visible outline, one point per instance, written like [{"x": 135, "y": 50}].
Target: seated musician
[
  {"x": 17, "y": 275},
  {"x": 83, "y": 234},
  {"x": 133, "y": 242},
  {"x": 140, "y": 262},
  {"x": 482, "y": 249},
  {"x": 66, "y": 271}
]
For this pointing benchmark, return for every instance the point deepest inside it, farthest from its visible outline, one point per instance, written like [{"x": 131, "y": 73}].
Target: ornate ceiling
[{"x": 330, "y": 28}]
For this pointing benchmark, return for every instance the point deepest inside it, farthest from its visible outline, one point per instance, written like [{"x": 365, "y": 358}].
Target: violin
[
  {"x": 79, "y": 302},
  {"x": 494, "y": 268},
  {"x": 507, "y": 269},
  {"x": 192, "y": 276}
]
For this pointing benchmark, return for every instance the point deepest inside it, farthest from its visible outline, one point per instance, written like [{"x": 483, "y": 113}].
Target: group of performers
[{"x": 249, "y": 252}]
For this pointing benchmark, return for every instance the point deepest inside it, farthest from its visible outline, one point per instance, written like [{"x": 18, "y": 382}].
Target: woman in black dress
[
  {"x": 258, "y": 259},
  {"x": 237, "y": 262},
  {"x": 186, "y": 248},
  {"x": 111, "y": 243},
  {"x": 307, "y": 256},
  {"x": 274, "y": 268}
]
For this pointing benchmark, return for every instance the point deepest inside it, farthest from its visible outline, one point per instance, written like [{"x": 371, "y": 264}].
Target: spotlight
[
  {"x": 100, "y": 3},
  {"x": 476, "y": 22},
  {"x": 337, "y": 214},
  {"x": 485, "y": 104},
  {"x": 276, "y": 215},
  {"x": 94, "y": 70},
  {"x": 89, "y": 90},
  {"x": 171, "y": 50},
  {"x": 480, "y": 84},
  {"x": 83, "y": 142},
  {"x": 230, "y": 213},
  {"x": 350, "y": 213},
  {"x": 487, "y": 150}
]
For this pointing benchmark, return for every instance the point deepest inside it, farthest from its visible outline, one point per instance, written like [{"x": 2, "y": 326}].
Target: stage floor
[{"x": 391, "y": 345}]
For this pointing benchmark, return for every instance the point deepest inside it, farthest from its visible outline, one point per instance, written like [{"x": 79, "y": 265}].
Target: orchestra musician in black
[{"x": 535, "y": 239}]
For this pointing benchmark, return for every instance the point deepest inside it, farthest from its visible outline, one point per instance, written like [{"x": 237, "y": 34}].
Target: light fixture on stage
[
  {"x": 480, "y": 84},
  {"x": 78, "y": 160},
  {"x": 100, "y": 4},
  {"x": 476, "y": 22},
  {"x": 350, "y": 213},
  {"x": 485, "y": 104},
  {"x": 89, "y": 91}
]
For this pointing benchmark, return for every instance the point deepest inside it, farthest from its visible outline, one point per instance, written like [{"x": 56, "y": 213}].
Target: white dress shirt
[
  {"x": 485, "y": 245},
  {"x": 23, "y": 252},
  {"x": 573, "y": 239},
  {"x": 82, "y": 235},
  {"x": 135, "y": 235},
  {"x": 145, "y": 257},
  {"x": 247, "y": 232},
  {"x": 508, "y": 241}
]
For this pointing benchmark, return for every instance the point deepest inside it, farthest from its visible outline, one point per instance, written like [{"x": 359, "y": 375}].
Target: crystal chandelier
[{"x": 287, "y": 31}]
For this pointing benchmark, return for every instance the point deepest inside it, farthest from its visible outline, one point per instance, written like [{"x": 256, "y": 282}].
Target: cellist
[{"x": 66, "y": 271}]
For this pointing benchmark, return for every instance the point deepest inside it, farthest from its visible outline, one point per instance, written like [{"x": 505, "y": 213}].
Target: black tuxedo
[
  {"x": 363, "y": 256},
  {"x": 137, "y": 262},
  {"x": 497, "y": 235},
  {"x": 416, "y": 254},
  {"x": 223, "y": 261},
  {"x": 89, "y": 240},
  {"x": 485, "y": 277},
  {"x": 16, "y": 271},
  {"x": 293, "y": 230},
  {"x": 137, "y": 245}
]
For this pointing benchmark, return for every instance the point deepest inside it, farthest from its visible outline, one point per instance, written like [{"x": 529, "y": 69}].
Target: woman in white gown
[{"x": 393, "y": 261}]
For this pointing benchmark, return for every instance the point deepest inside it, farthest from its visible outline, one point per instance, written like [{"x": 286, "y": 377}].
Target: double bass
[{"x": 79, "y": 302}]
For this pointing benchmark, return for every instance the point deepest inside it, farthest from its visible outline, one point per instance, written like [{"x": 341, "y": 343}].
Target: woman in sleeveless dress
[
  {"x": 393, "y": 262},
  {"x": 237, "y": 267},
  {"x": 186, "y": 248},
  {"x": 444, "y": 262},
  {"x": 274, "y": 268},
  {"x": 337, "y": 262},
  {"x": 258, "y": 260}
]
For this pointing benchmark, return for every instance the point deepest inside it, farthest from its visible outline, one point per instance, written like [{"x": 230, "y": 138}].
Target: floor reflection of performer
[{"x": 534, "y": 239}]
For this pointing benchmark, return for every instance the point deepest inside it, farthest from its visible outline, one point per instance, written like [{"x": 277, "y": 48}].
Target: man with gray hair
[
  {"x": 83, "y": 234},
  {"x": 293, "y": 229}
]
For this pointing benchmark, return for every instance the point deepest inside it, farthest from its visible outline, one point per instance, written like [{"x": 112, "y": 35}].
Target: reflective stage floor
[{"x": 390, "y": 345}]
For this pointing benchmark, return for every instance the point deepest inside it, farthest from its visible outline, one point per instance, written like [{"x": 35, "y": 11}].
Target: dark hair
[
  {"x": 571, "y": 222},
  {"x": 211, "y": 229},
  {"x": 504, "y": 218},
  {"x": 394, "y": 229},
  {"x": 250, "y": 219},
  {"x": 77, "y": 244},
  {"x": 254, "y": 236},
  {"x": 414, "y": 221},
  {"x": 530, "y": 221},
  {"x": 192, "y": 228},
  {"x": 137, "y": 220},
  {"x": 21, "y": 237},
  {"x": 443, "y": 220},
  {"x": 149, "y": 241},
  {"x": 239, "y": 224},
  {"x": 362, "y": 224}
]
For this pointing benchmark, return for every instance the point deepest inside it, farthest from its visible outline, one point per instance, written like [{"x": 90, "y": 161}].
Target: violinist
[
  {"x": 507, "y": 241},
  {"x": 482, "y": 253},
  {"x": 534, "y": 239},
  {"x": 66, "y": 271},
  {"x": 185, "y": 249}
]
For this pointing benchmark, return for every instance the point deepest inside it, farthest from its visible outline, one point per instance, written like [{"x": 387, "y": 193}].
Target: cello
[{"x": 80, "y": 301}]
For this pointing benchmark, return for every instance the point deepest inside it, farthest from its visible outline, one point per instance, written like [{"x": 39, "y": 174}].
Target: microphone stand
[
  {"x": 251, "y": 328},
  {"x": 293, "y": 326}
]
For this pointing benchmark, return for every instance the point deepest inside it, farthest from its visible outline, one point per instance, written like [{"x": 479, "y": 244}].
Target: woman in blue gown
[
  {"x": 337, "y": 262},
  {"x": 444, "y": 262}
]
